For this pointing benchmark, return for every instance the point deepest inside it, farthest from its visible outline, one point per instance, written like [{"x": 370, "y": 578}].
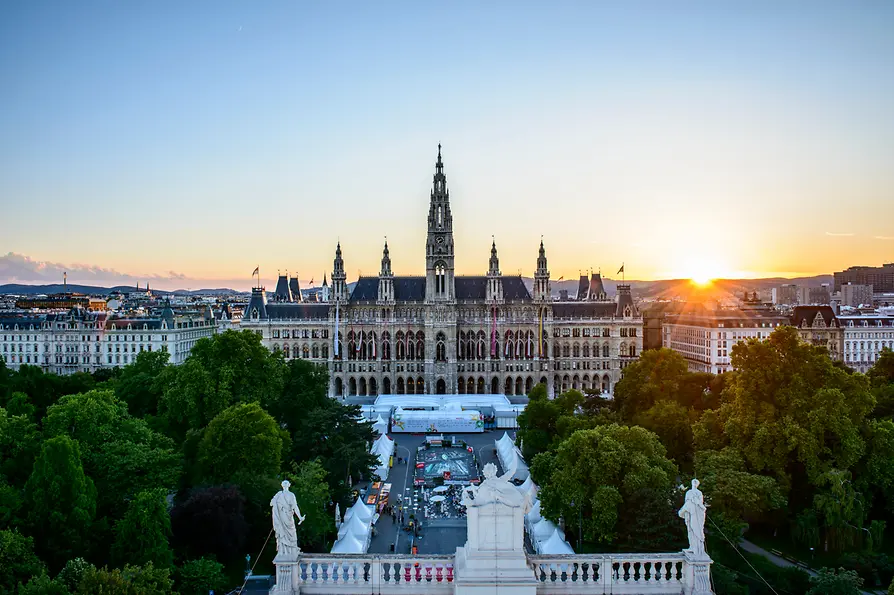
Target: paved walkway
[{"x": 779, "y": 561}]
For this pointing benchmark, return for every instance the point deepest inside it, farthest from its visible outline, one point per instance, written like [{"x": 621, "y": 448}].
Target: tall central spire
[{"x": 439, "y": 243}]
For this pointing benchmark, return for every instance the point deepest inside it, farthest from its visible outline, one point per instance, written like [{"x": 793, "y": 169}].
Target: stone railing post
[
  {"x": 375, "y": 574},
  {"x": 605, "y": 573},
  {"x": 697, "y": 575}
]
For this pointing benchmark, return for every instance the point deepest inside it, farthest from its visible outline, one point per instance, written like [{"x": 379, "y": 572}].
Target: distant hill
[
  {"x": 670, "y": 288},
  {"x": 20, "y": 289},
  {"x": 665, "y": 288}
]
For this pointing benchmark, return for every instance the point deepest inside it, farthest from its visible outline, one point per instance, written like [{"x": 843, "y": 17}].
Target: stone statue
[
  {"x": 494, "y": 489},
  {"x": 693, "y": 512},
  {"x": 284, "y": 507}
]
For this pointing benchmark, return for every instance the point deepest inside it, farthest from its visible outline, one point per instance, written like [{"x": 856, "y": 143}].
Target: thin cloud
[
  {"x": 883, "y": 237},
  {"x": 23, "y": 269},
  {"x": 838, "y": 234}
]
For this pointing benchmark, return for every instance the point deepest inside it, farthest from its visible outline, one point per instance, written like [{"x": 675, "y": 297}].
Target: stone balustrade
[
  {"x": 575, "y": 574},
  {"x": 610, "y": 573},
  {"x": 359, "y": 573}
]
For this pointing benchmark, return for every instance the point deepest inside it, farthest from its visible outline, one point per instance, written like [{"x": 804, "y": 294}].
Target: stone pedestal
[
  {"x": 698, "y": 574},
  {"x": 286, "y": 575},
  {"x": 493, "y": 559}
]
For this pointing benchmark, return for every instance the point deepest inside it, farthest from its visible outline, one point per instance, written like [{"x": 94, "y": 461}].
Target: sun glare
[{"x": 704, "y": 270}]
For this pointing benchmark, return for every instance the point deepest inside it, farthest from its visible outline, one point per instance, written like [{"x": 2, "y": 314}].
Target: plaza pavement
[{"x": 440, "y": 536}]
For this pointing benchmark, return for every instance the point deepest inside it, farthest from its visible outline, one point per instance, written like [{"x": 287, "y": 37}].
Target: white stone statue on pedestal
[
  {"x": 285, "y": 509},
  {"x": 493, "y": 558},
  {"x": 693, "y": 512}
]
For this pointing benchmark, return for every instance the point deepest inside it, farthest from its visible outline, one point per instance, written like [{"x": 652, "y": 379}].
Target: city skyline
[{"x": 186, "y": 145}]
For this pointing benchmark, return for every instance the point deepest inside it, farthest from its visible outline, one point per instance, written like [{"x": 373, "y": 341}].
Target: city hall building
[{"x": 442, "y": 333}]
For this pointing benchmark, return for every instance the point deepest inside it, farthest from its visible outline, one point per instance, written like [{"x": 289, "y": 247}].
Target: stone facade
[
  {"x": 451, "y": 334},
  {"x": 83, "y": 341}
]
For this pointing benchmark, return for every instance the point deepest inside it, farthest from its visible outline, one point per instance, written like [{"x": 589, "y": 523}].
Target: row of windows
[{"x": 300, "y": 333}]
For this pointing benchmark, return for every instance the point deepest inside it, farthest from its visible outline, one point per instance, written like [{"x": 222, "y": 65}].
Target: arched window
[
  {"x": 576, "y": 350},
  {"x": 315, "y": 351},
  {"x": 605, "y": 350},
  {"x": 338, "y": 387},
  {"x": 633, "y": 351},
  {"x": 285, "y": 351},
  {"x": 305, "y": 351},
  {"x": 325, "y": 351},
  {"x": 566, "y": 350},
  {"x": 586, "y": 350},
  {"x": 420, "y": 385},
  {"x": 420, "y": 349},
  {"x": 441, "y": 348}
]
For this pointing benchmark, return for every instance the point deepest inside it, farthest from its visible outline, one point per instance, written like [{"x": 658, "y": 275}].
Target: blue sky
[{"x": 189, "y": 142}]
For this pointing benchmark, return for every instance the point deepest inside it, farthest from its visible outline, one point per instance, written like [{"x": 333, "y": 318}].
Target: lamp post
[{"x": 580, "y": 524}]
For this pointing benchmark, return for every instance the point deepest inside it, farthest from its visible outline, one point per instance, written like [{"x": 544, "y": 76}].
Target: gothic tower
[
  {"x": 494, "y": 279},
  {"x": 541, "y": 277},
  {"x": 339, "y": 285},
  {"x": 386, "y": 278},
  {"x": 439, "y": 244}
]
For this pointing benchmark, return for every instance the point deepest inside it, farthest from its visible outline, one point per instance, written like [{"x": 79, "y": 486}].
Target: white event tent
[
  {"x": 510, "y": 457},
  {"x": 382, "y": 448}
]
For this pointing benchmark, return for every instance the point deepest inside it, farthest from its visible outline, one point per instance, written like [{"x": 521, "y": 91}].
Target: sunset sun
[{"x": 704, "y": 270}]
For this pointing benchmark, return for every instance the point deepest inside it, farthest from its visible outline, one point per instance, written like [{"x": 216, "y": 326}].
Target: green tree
[
  {"x": 841, "y": 508},
  {"x": 789, "y": 411},
  {"x": 60, "y": 501},
  {"x": 599, "y": 470},
  {"x": 546, "y": 421},
  {"x": 122, "y": 454},
  {"x": 72, "y": 573},
  {"x": 312, "y": 493},
  {"x": 18, "y": 563},
  {"x": 131, "y": 580},
  {"x": 830, "y": 582},
  {"x": 140, "y": 383},
  {"x": 321, "y": 428},
  {"x": 658, "y": 375},
  {"x": 19, "y": 445},
  {"x": 199, "y": 577},
  {"x": 44, "y": 585},
  {"x": 210, "y": 522},
  {"x": 243, "y": 438},
  {"x": 232, "y": 367},
  {"x": 672, "y": 424},
  {"x": 881, "y": 375},
  {"x": 10, "y": 504},
  {"x": 730, "y": 489},
  {"x": 20, "y": 404},
  {"x": 142, "y": 535}
]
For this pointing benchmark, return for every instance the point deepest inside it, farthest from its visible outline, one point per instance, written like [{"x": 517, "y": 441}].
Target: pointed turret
[
  {"x": 386, "y": 278},
  {"x": 339, "y": 278},
  {"x": 324, "y": 291},
  {"x": 439, "y": 267},
  {"x": 541, "y": 276},
  {"x": 494, "y": 277},
  {"x": 295, "y": 289},
  {"x": 282, "y": 292},
  {"x": 625, "y": 308},
  {"x": 597, "y": 289}
]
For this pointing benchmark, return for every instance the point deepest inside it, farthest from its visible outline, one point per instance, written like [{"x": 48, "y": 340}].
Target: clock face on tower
[{"x": 440, "y": 239}]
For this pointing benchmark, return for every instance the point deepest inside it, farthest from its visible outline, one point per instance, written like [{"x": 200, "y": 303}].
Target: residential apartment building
[
  {"x": 80, "y": 340},
  {"x": 864, "y": 337},
  {"x": 706, "y": 339}
]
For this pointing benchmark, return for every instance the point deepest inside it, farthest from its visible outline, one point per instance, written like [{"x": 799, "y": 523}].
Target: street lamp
[{"x": 580, "y": 524}]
